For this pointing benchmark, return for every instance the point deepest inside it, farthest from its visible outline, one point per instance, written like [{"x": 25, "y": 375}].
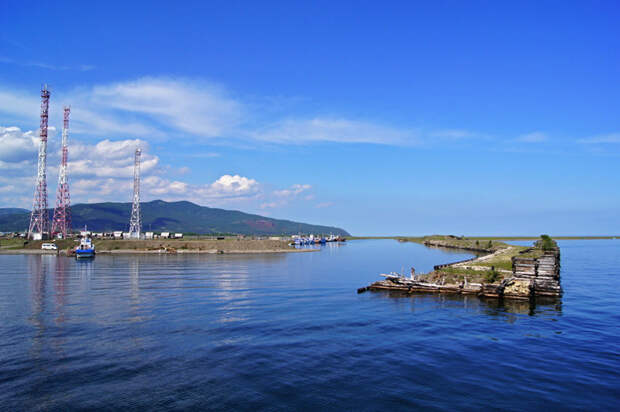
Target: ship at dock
[{"x": 86, "y": 249}]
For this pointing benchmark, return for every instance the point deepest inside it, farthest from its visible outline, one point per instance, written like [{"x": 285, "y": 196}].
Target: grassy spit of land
[
  {"x": 228, "y": 245},
  {"x": 492, "y": 266}
]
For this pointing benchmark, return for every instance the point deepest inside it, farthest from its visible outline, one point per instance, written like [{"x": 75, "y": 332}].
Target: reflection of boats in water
[
  {"x": 299, "y": 240},
  {"x": 85, "y": 249}
]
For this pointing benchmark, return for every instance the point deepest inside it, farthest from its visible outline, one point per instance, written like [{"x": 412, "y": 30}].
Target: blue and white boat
[{"x": 86, "y": 249}]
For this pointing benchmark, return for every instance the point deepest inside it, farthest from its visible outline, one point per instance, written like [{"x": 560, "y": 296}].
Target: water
[{"x": 289, "y": 332}]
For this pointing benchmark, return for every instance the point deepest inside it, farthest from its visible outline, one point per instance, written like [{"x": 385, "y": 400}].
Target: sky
[{"x": 383, "y": 118}]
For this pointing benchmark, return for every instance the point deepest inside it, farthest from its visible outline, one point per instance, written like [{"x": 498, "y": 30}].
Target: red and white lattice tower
[
  {"x": 39, "y": 223},
  {"x": 61, "y": 224},
  {"x": 135, "y": 222}
]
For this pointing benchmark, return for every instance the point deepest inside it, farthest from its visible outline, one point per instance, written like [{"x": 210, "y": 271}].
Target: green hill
[
  {"x": 12, "y": 211},
  {"x": 182, "y": 216}
]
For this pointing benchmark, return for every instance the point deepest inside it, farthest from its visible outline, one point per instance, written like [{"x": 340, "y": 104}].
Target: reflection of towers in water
[
  {"x": 134, "y": 274},
  {"x": 38, "y": 267},
  {"x": 60, "y": 284}
]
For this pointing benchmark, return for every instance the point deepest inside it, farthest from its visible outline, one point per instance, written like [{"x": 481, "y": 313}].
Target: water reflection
[
  {"x": 489, "y": 306},
  {"x": 38, "y": 266},
  {"x": 60, "y": 285}
]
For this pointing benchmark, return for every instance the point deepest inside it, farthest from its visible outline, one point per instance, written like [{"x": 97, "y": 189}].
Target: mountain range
[{"x": 159, "y": 215}]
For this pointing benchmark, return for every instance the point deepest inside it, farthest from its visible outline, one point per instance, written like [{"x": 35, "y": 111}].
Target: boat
[{"x": 85, "y": 249}]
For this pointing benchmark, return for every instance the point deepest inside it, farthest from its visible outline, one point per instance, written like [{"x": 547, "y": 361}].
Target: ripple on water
[{"x": 289, "y": 332}]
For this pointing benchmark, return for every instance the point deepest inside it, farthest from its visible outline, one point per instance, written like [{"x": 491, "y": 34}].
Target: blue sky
[{"x": 382, "y": 118}]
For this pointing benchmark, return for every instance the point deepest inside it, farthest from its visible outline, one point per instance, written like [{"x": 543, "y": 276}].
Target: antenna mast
[
  {"x": 39, "y": 224},
  {"x": 135, "y": 223},
  {"x": 61, "y": 224}
]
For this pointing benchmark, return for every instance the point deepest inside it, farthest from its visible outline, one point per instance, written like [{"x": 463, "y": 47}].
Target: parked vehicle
[{"x": 49, "y": 246}]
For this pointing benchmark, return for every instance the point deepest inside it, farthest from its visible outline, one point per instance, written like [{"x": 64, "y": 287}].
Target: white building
[
  {"x": 165, "y": 235},
  {"x": 178, "y": 235},
  {"x": 118, "y": 235}
]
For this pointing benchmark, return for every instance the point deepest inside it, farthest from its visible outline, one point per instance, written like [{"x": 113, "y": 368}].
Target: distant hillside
[
  {"x": 184, "y": 217},
  {"x": 12, "y": 211}
]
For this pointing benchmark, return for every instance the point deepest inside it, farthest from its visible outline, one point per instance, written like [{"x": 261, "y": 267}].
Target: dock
[{"x": 535, "y": 273}]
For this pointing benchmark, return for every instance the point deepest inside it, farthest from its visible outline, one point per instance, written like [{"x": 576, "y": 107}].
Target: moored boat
[{"x": 85, "y": 249}]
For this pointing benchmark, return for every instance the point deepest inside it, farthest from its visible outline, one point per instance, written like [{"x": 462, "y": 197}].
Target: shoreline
[
  {"x": 155, "y": 252},
  {"x": 420, "y": 239}
]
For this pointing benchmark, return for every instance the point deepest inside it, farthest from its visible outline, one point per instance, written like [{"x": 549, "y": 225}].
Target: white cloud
[
  {"x": 605, "y": 138},
  {"x": 195, "y": 107},
  {"x": 7, "y": 189},
  {"x": 296, "y": 131},
  {"x": 16, "y": 145},
  {"x": 454, "y": 134},
  {"x": 19, "y": 166},
  {"x": 225, "y": 190},
  {"x": 534, "y": 137},
  {"x": 22, "y": 105},
  {"x": 109, "y": 159},
  {"x": 294, "y": 190},
  {"x": 104, "y": 171},
  {"x": 231, "y": 186},
  {"x": 324, "y": 204},
  {"x": 81, "y": 67},
  {"x": 164, "y": 107}
]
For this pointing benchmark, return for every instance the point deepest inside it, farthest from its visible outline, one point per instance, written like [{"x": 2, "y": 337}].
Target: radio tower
[
  {"x": 39, "y": 224},
  {"x": 135, "y": 220},
  {"x": 61, "y": 224}
]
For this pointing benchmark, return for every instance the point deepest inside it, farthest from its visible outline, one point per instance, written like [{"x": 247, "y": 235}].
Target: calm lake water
[{"x": 289, "y": 332}]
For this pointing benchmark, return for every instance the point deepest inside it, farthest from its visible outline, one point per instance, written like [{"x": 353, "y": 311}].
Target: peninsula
[{"x": 502, "y": 270}]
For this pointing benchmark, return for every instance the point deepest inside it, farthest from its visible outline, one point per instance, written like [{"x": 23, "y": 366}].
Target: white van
[{"x": 49, "y": 246}]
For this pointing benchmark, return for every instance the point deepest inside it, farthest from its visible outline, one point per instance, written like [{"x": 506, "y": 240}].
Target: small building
[
  {"x": 165, "y": 235},
  {"x": 178, "y": 235},
  {"x": 148, "y": 235},
  {"x": 275, "y": 238},
  {"x": 118, "y": 234},
  {"x": 126, "y": 235}
]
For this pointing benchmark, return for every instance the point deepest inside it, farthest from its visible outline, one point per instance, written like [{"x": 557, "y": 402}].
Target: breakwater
[{"x": 535, "y": 272}]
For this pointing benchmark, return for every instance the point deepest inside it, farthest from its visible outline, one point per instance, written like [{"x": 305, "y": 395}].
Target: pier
[{"x": 533, "y": 272}]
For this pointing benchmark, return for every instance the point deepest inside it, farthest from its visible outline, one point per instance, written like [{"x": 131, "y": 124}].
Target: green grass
[
  {"x": 453, "y": 275},
  {"x": 14, "y": 243},
  {"x": 18, "y": 243}
]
